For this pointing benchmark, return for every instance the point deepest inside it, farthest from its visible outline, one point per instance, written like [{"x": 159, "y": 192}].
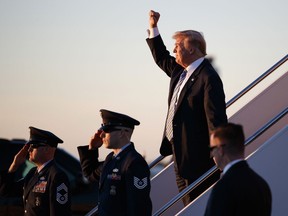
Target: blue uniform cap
[
  {"x": 113, "y": 119},
  {"x": 41, "y": 136}
]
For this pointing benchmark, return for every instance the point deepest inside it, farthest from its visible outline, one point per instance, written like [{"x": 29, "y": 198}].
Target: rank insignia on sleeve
[
  {"x": 140, "y": 183},
  {"x": 62, "y": 194}
]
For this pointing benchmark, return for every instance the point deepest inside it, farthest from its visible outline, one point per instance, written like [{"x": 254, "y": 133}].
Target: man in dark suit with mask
[{"x": 196, "y": 104}]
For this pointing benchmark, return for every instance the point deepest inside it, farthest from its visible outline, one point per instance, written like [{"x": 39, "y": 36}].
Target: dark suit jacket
[
  {"x": 47, "y": 193},
  {"x": 240, "y": 191},
  {"x": 124, "y": 182},
  {"x": 201, "y": 107}
]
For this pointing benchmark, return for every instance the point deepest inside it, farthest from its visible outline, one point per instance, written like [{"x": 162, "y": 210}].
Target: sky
[{"x": 61, "y": 61}]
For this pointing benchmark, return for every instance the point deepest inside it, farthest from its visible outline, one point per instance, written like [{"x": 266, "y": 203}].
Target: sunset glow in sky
[{"x": 61, "y": 61}]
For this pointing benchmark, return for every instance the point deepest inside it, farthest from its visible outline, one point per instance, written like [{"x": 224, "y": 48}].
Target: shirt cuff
[{"x": 153, "y": 32}]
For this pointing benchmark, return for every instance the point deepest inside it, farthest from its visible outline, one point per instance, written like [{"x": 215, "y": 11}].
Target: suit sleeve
[
  {"x": 162, "y": 56},
  {"x": 90, "y": 165},
  {"x": 138, "y": 188},
  {"x": 60, "y": 195},
  {"x": 8, "y": 187},
  {"x": 214, "y": 102}
]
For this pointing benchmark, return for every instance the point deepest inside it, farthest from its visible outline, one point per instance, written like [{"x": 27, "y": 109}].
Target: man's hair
[
  {"x": 232, "y": 136},
  {"x": 194, "y": 37}
]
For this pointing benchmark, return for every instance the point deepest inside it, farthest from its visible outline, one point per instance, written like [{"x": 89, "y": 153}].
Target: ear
[
  {"x": 191, "y": 50},
  {"x": 221, "y": 151},
  {"x": 122, "y": 133}
]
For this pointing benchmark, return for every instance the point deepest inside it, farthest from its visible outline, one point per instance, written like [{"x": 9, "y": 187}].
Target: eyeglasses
[
  {"x": 37, "y": 145},
  {"x": 217, "y": 146},
  {"x": 110, "y": 129}
]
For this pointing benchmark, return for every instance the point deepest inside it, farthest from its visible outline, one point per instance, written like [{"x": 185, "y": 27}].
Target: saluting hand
[
  {"x": 19, "y": 158},
  {"x": 96, "y": 140}
]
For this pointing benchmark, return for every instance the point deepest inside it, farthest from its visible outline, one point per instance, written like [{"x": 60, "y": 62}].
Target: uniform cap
[
  {"x": 41, "y": 136},
  {"x": 112, "y": 119}
]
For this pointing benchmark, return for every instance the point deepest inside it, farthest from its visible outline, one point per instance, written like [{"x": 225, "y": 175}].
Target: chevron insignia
[
  {"x": 140, "y": 183},
  {"x": 62, "y": 194}
]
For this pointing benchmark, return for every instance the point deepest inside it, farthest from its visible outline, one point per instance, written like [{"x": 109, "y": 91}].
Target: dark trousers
[{"x": 184, "y": 183}]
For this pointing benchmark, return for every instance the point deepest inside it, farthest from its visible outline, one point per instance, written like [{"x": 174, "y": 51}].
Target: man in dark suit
[
  {"x": 196, "y": 108},
  {"x": 124, "y": 176},
  {"x": 46, "y": 188},
  {"x": 240, "y": 191}
]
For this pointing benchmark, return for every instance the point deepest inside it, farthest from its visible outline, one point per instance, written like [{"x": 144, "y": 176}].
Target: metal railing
[
  {"x": 228, "y": 104},
  {"x": 93, "y": 211},
  {"x": 258, "y": 80},
  {"x": 156, "y": 161},
  {"x": 240, "y": 94},
  {"x": 192, "y": 186}
]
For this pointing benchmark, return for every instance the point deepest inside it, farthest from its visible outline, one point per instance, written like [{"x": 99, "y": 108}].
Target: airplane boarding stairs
[
  {"x": 268, "y": 161},
  {"x": 255, "y": 114}
]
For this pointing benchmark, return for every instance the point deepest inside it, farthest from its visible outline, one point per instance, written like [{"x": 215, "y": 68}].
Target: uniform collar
[
  {"x": 229, "y": 165},
  {"x": 124, "y": 147},
  {"x": 43, "y": 166}
]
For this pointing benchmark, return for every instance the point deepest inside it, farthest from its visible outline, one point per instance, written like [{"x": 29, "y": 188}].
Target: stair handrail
[
  {"x": 214, "y": 168},
  {"x": 93, "y": 211},
  {"x": 156, "y": 161},
  {"x": 229, "y": 103},
  {"x": 256, "y": 81},
  {"x": 242, "y": 93}
]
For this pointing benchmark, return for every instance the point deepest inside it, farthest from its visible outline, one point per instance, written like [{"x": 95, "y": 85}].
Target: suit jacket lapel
[
  {"x": 187, "y": 86},
  {"x": 173, "y": 84},
  {"x": 106, "y": 168},
  {"x": 190, "y": 82},
  {"x": 30, "y": 180},
  {"x": 33, "y": 178},
  {"x": 110, "y": 163}
]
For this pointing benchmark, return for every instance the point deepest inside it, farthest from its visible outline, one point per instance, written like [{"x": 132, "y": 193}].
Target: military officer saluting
[
  {"x": 124, "y": 176},
  {"x": 45, "y": 189}
]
